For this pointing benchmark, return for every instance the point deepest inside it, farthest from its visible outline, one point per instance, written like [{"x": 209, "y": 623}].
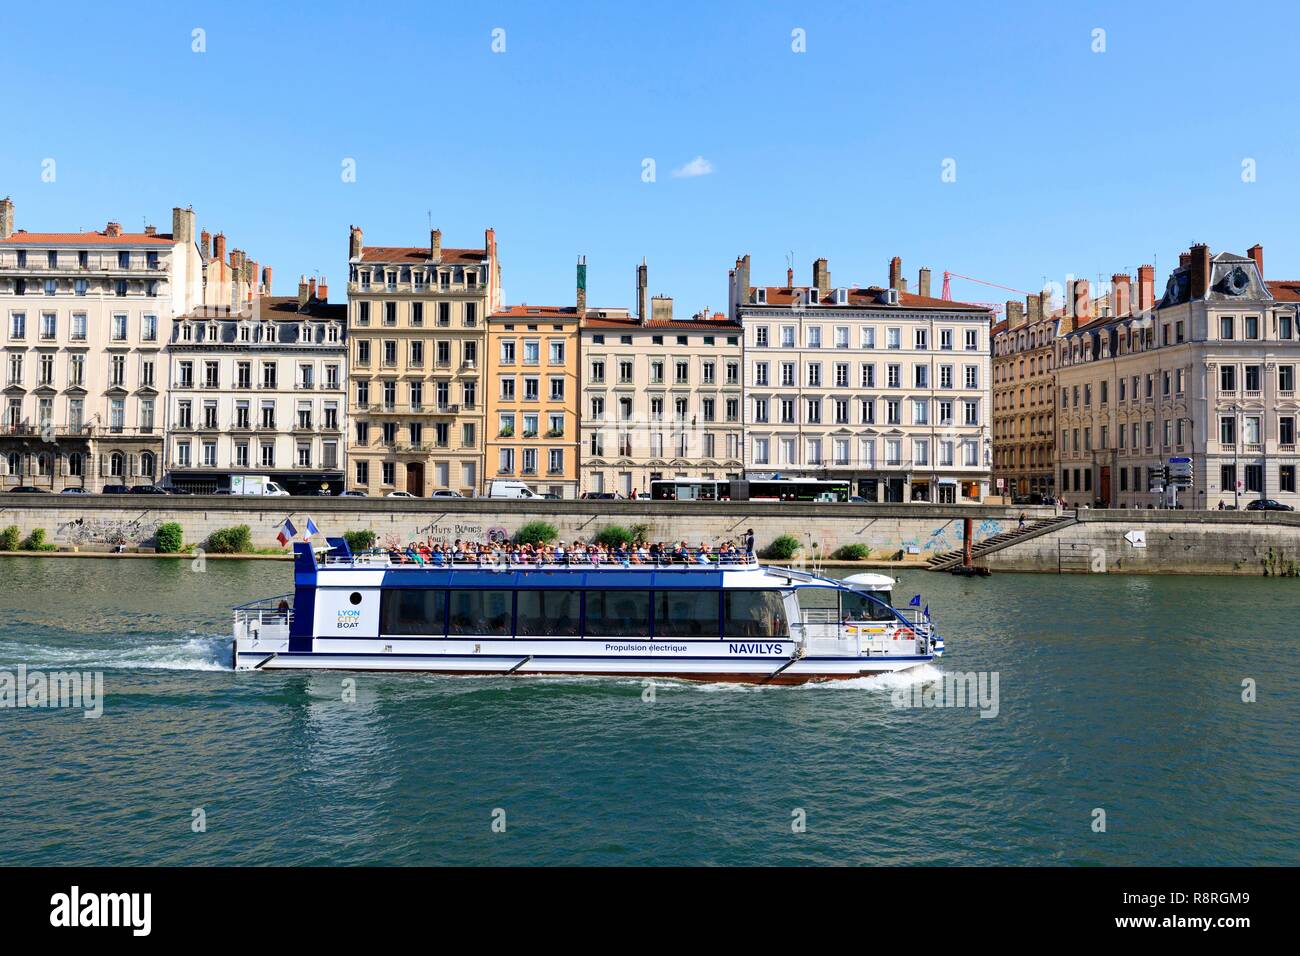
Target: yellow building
[
  {"x": 532, "y": 394},
  {"x": 416, "y": 321}
]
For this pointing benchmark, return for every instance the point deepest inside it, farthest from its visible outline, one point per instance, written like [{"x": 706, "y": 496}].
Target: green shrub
[
  {"x": 782, "y": 548},
  {"x": 36, "y": 541},
  {"x": 236, "y": 540},
  {"x": 9, "y": 538},
  {"x": 613, "y": 535},
  {"x": 359, "y": 540},
  {"x": 852, "y": 552},
  {"x": 169, "y": 537},
  {"x": 536, "y": 532}
]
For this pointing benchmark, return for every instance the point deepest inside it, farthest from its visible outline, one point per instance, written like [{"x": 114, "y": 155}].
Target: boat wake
[{"x": 190, "y": 652}]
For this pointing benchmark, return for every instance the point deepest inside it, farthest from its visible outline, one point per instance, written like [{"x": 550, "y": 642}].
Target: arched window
[
  {"x": 76, "y": 465},
  {"x": 43, "y": 466},
  {"x": 117, "y": 464},
  {"x": 146, "y": 464},
  {"x": 15, "y": 463}
]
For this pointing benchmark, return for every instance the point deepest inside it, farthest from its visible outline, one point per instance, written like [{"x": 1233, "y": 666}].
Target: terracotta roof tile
[
  {"x": 86, "y": 239},
  {"x": 1284, "y": 290},
  {"x": 716, "y": 322},
  {"x": 420, "y": 254},
  {"x": 858, "y": 297}
]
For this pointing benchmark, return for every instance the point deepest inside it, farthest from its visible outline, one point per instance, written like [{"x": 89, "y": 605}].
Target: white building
[
  {"x": 86, "y": 316},
  {"x": 260, "y": 391},
  {"x": 880, "y": 386}
]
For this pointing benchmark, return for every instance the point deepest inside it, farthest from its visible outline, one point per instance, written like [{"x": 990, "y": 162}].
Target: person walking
[
  {"x": 749, "y": 541},
  {"x": 1021, "y": 525}
]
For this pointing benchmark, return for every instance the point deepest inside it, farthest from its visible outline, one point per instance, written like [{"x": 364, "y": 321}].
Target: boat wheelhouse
[{"x": 723, "y": 617}]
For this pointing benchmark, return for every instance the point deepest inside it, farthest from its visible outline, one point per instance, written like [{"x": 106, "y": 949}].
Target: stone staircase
[{"x": 1033, "y": 529}]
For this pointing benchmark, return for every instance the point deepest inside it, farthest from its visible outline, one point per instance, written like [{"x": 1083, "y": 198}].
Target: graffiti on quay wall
[{"x": 114, "y": 532}]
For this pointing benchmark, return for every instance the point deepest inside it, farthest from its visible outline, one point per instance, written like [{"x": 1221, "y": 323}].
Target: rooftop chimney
[
  {"x": 435, "y": 245},
  {"x": 6, "y": 218},
  {"x": 661, "y": 308},
  {"x": 896, "y": 273},
  {"x": 355, "y": 246},
  {"x": 1200, "y": 270},
  {"x": 1033, "y": 308},
  {"x": 1256, "y": 252},
  {"x": 1120, "y": 293},
  {"x": 219, "y": 247},
  {"x": 789, "y": 278},
  {"x": 182, "y": 225},
  {"x": 113, "y": 229},
  {"x": 923, "y": 283},
  {"x": 205, "y": 244},
  {"x": 822, "y": 276},
  {"x": 1146, "y": 298},
  {"x": 151, "y": 230},
  {"x": 304, "y": 291},
  {"x": 1184, "y": 259},
  {"x": 642, "y": 281},
  {"x": 266, "y": 279},
  {"x": 311, "y": 290},
  {"x": 1015, "y": 314},
  {"x": 582, "y": 287},
  {"x": 322, "y": 290}
]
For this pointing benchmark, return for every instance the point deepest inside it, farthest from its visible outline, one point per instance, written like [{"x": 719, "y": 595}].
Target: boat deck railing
[
  {"x": 695, "y": 559},
  {"x": 276, "y": 611}
]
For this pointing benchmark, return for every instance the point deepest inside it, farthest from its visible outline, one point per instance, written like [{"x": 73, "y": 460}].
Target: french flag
[
  {"x": 310, "y": 530},
  {"x": 287, "y": 532}
]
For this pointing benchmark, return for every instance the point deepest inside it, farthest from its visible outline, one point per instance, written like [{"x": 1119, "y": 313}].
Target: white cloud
[{"x": 699, "y": 166}]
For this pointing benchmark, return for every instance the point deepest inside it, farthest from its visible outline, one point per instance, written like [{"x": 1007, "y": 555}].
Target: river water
[{"x": 1117, "y": 695}]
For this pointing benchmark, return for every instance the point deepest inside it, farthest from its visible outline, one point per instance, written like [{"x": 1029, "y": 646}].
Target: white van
[
  {"x": 254, "y": 485},
  {"x": 502, "y": 488}
]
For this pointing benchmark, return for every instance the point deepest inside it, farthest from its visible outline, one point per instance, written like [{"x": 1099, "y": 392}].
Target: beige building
[
  {"x": 661, "y": 396},
  {"x": 1206, "y": 372},
  {"x": 259, "y": 391},
  {"x": 86, "y": 318},
  {"x": 883, "y": 387},
  {"x": 416, "y": 328},
  {"x": 1024, "y": 399}
]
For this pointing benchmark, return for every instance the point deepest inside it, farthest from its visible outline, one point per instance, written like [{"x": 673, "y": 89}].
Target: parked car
[
  {"x": 352, "y": 494},
  {"x": 399, "y": 494},
  {"x": 446, "y": 493},
  {"x": 148, "y": 490},
  {"x": 551, "y": 496},
  {"x": 1268, "y": 504},
  {"x": 73, "y": 491},
  {"x": 1030, "y": 499},
  {"x": 600, "y": 495},
  {"x": 27, "y": 490},
  {"x": 115, "y": 490}
]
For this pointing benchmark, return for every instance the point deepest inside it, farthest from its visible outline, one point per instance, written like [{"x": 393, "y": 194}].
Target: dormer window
[
  {"x": 841, "y": 296},
  {"x": 891, "y": 297},
  {"x": 760, "y": 296}
]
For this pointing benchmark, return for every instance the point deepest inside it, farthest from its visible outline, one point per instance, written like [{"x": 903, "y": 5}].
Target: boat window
[
  {"x": 860, "y": 607},
  {"x": 413, "y": 611},
  {"x": 548, "y": 613},
  {"x": 754, "y": 614},
  {"x": 686, "y": 614},
  {"x": 480, "y": 612},
  {"x": 617, "y": 613}
]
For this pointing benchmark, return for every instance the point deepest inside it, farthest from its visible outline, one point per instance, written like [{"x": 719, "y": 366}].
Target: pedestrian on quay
[{"x": 749, "y": 541}]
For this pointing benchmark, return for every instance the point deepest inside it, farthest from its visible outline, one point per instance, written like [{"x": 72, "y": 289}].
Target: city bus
[{"x": 740, "y": 489}]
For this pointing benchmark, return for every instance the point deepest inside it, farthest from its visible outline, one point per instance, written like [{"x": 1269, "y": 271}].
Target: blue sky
[{"x": 1068, "y": 161}]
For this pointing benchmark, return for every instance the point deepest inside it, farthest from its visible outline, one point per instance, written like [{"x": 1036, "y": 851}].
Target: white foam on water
[
  {"x": 887, "y": 681},
  {"x": 193, "y": 653}
]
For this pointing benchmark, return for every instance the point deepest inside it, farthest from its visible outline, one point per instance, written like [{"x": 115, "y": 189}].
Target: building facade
[
  {"x": 532, "y": 394},
  {"x": 1207, "y": 372},
  {"x": 416, "y": 325},
  {"x": 880, "y": 386},
  {"x": 662, "y": 397},
  {"x": 1024, "y": 399},
  {"x": 259, "y": 391},
  {"x": 87, "y": 316}
]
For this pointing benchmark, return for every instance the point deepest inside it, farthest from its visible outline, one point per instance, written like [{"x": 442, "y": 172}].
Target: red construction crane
[{"x": 946, "y": 295}]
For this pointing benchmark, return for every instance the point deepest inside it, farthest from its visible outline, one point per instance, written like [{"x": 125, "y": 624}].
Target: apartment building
[
  {"x": 884, "y": 387},
  {"x": 1024, "y": 398},
  {"x": 662, "y": 396},
  {"x": 532, "y": 397},
  {"x": 417, "y": 333},
  {"x": 260, "y": 390},
  {"x": 86, "y": 318},
  {"x": 1206, "y": 373}
]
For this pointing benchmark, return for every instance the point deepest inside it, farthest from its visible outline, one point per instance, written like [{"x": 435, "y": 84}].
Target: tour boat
[{"x": 730, "y": 619}]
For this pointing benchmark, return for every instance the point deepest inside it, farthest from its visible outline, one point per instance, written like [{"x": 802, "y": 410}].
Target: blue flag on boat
[
  {"x": 310, "y": 530},
  {"x": 927, "y": 612},
  {"x": 915, "y": 602}
]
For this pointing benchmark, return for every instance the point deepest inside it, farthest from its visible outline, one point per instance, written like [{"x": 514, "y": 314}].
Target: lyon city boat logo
[{"x": 349, "y": 618}]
